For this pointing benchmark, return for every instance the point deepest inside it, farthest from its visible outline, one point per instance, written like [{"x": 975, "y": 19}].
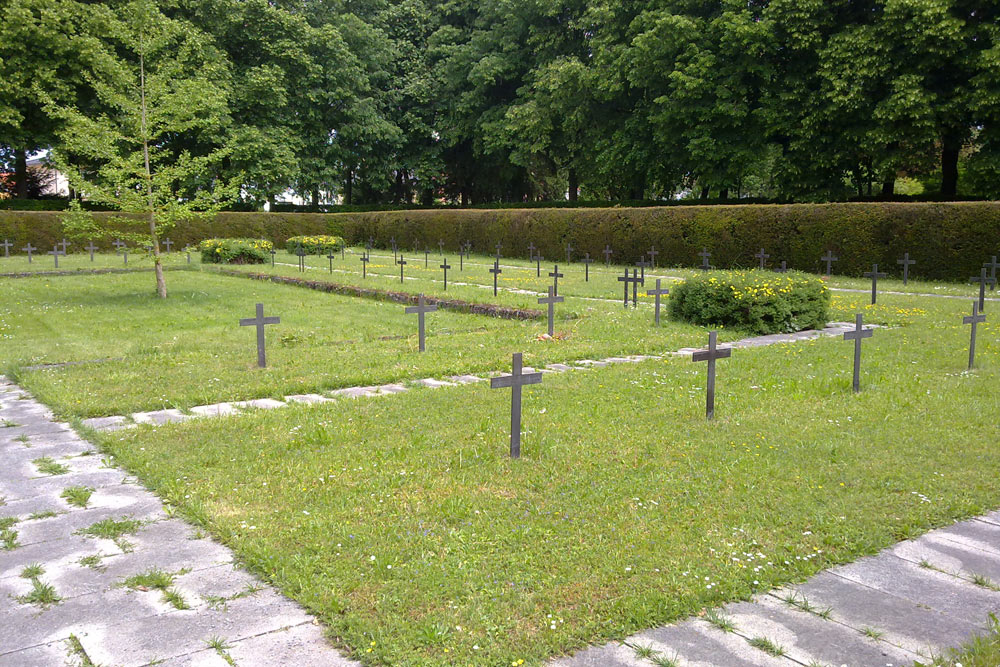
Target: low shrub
[
  {"x": 235, "y": 251},
  {"x": 761, "y": 302},
  {"x": 315, "y": 245}
]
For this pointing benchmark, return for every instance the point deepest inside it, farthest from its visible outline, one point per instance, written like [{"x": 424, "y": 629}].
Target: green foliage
[
  {"x": 761, "y": 302},
  {"x": 315, "y": 245},
  {"x": 235, "y": 251}
]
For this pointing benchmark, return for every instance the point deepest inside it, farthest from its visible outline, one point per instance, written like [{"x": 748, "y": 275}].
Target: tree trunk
[
  {"x": 951, "y": 145},
  {"x": 349, "y": 187},
  {"x": 574, "y": 185},
  {"x": 465, "y": 197},
  {"x": 889, "y": 186},
  {"x": 724, "y": 193},
  {"x": 704, "y": 192},
  {"x": 21, "y": 173},
  {"x": 161, "y": 285},
  {"x": 315, "y": 197}
]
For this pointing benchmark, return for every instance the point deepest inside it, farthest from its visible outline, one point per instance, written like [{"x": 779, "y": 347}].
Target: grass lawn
[
  {"x": 401, "y": 522},
  {"x": 80, "y": 261}
]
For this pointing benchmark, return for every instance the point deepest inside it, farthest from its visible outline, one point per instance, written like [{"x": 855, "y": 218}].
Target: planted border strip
[{"x": 488, "y": 309}]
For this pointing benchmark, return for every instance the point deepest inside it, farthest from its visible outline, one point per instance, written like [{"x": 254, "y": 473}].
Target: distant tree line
[{"x": 475, "y": 101}]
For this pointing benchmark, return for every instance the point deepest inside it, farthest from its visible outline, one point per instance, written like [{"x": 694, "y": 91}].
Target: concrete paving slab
[
  {"x": 214, "y": 410},
  {"x": 983, "y": 535},
  {"x": 956, "y": 557},
  {"x": 114, "y": 423},
  {"x": 302, "y": 646},
  {"x": 693, "y": 645},
  {"x": 391, "y": 389},
  {"x": 434, "y": 384},
  {"x": 466, "y": 379},
  {"x": 160, "y": 417},
  {"x": 610, "y": 655},
  {"x": 353, "y": 392},
  {"x": 259, "y": 404},
  {"x": 46, "y": 655},
  {"x": 308, "y": 398}
]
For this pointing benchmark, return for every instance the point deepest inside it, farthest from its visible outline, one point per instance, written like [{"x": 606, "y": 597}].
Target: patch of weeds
[
  {"x": 108, "y": 463},
  {"x": 41, "y": 594},
  {"x": 93, "y": 561},
  {"x": 661, "y": 660},
  {"x": 24, "y": 440},
  {"x": 6, "y": 423},
  {"x": 77, "y": 496},
  {"x": 157, "y": 580},
  {"x": 800, "y": 602},
  {"x": 221, "y": 602},
  {"x": 825, "y": 614},
  {"x": 985, "y": 582},
  {"x": 8, "y": 522},
  {"x": 219, "y": 645},
  {"x": 115, "y": 530},
  {"x": 3, "y": 500},
  {"x": 872, "y": 633},
  {"x": 720, "y": 621},
  {"x": 642, "y": 652},
  {"x": 927, "y": 565},
  {"x": 47, "y": 466},
  {"x": 8, "y": 539},
  {"x": 767, "y": 646},
  {"x": 76, "y": 650},
  {"x": 431, "y": 634},
  {"x": 32, "y": 571},
  {"x": 47, "y": 514}
]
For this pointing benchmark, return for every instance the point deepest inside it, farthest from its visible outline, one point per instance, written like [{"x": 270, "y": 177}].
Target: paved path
[
  {"x": 166, "y": 416},
  {"x": 910, "y": 602},
  {"x": 97, "y": 618}
]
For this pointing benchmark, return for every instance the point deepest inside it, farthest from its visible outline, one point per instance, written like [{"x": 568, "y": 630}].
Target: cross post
[
  {"x": 704, "y": 254},
  {"x": 167, "y": 243},
  {"x": 515, "y": 381},
  {"x": 983, "y": 281},
  {"x": 7, "y": 245},
  {"x": 762, "y": 256},
  {"x": 555, "y": 275},
  {"x": 187, "y": 251},
  {"x": 259, "y": 321},
  {"x": 973, "y": 319},
  {"x": 402, "y": 262},
  {"x": 330, "y": 256},
  {"x": 444, "y": 267},
  {"x": 857, "y": 335},
  {"x": 499, "y": 245},
  {"x": 364, "y": 264},
  {"x": 118, "y": 244},
  {"x": 874, "y": 274},
  {"x": 710, "y": 355},
  {"x": 906, "y": 262},
  {"x": 658, "y": 292},
  {"x": 783, "y": 268},
  {"x": 552, "y": 299},
  {"x": 441, "y": 246},
  {"x": 569, "y": 252},
  {"x": 496, "y": 271},
  {"x": 586, "y": 267},
  {"x": 607, "y": 254},
  {"x": 992, "y": 265},
  {"x": 29, "y": 249},
  {"x": 642, "y": 264},
  {"x": 273, "y": 253},
  {"x": 55, "y": 252},
  {"x": 829, "y": 258},
  {"x": 90, "y": 247},
  {"x": 301, "y": 254},
  {"x": 420, "y": 309},
  {"x": 461, "y": 257},
  {"x": 634, "y": 280},
  {"x": 538, "y": 265},
  {"x": 652, "y": 252},
  {"x": 427, "y": 253},
  {"x": 531, "y": 251},
  {"x": 65, "y": 244}
]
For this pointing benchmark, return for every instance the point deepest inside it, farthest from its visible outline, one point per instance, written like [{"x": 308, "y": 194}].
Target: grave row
[{"x": 60, "y": 249}]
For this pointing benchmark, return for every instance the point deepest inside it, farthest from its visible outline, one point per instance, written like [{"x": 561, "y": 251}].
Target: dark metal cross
[
  {"x": 829, "y": 258},
  {"x": 555, "y": 275},
  {"x": 445, "y": 268},
  {"x": 364, "y": 264},
  {"x": 658, "y": 293},
  {"x": 125, "y": 256},
  {"x": 55, "y": 252},
  {"x": 402, "y": 262},
  {"x": 710, "y": 355},
  {"x": 118, "y": 244},
  {"x": 992, "y": 265},
  {"x": 973, "y": 319},
  {"x": 90, "y": 247},
  {"x": 499, "y": 245},
  {"x": 273, "y": 253},
  {"x": 642, "y": 264},
  {"x": 857, "y": 336},
  {"x": 762, "y": 256},
  {"x": 906, "y": 262},
  {"x": 652, "y": 252},
  {"x": 569, "y": 252},
  {"x": 441, "y": 246},
  {"x": 421, "y": 308},
  {"x": 874, "y": 274},
  {"x": 29, "y": 249},
  {"x": 586, "y": 267},
  {"x": 330, "y": 256},
  {"x": 371, "y": 242},
  {"x": 259, "y": 321},
  {"x": 187, "y": 250},
  {"x": 607, "y": 254},
  {"x": 167, "y": 243},
  {"x": 65, "y": 244},
  {"x": 552, "y": 299},
  {"x": 392, "y": 242},
  {"x": 538, "y": 265},
  {"x": 634, "y": 280},
  {"x": 301, "y": 254},
  {"x": 427, "y": 253},
  {"x": 983, "y": 281},
  {"x": 468, "y": 247},
  {"x": 783, "y": 268},
  {"x": 343, "y": 252},
  {"x": 531, "y": 251},
  {"x": 461, "y": 257},
  {"x": 496, "y": 271},
  {"x": 704, "y": 254},
  {"x": 515, "y": 381},
  {"x": 7, "y": 245}
]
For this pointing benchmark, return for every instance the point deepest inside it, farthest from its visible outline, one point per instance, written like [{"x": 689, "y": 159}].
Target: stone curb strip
[
  {"x": 97, "y": 619},
  {"x": 160, "y": 417}
]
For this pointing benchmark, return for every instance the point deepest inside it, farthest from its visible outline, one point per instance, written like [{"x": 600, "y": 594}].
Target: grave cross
[
  {"x": 874, "y": 274},
  {"x": 445, "y": 268},
  {"x": 704, "y": 254},
  {"x": 829, "y": 258},
  {"x": 55, "y": 252},
  {"x": 90, "y": 247},
  {"x": 65, "y": 244},
  {"x": 370, "y": 243},
  {"x": 421, "y": 308},
  {"x": 642, "y": 264},
  {"x": 586, "y": 267},
  {"x": 992, "y": 265},
  {"x": 125, "y": 256},
  {"x": 273, "y": 253},
  {"x": 441, "y": 246},
  {"x": 710, "y": 355},
  {"x": 515, "y": 381},
  {"x": 658, "y": 292},
  {"x": 167, "y": 243},
  {"x": 187, "y": 250},
  {"x": 983, "y": 281},
  {"x": 468, "y": 247},
  {"x": 461, "y": 257},
  {"x": 427, "y": 252},
  {"x": 857, "y": 335},
  {"x": 496, "y": 271},
  {"x": 392, "y": 242},
  {"x": 906, "y": 261},
  {"x": 652, "y": 252},
  {"x": 555, "y": 275},
  {"x": 552, "y": 299},
  {"x": 118, "y": 244},
  {"x": 499, "y": 245},
  {"x": 301, "y": 254},
  {"x": 973, "y": 319},
  {"x": 607, "y": 254},
  {"x": 259, "y": 322},
  {"x": 783, "y": 268},
  {"x": 330, "y": 256},
  {"x": 402, "y": 262},
  {"x": 364, "y": 264},
  {"x": 569, "y": 252},
  {"x": 634, "y": 280},
  {"x": 7, "y": 245},
  {"x": 762, "y": 256},
  {"x": 531, "y": 251},
  {"x": 538, "y": 265},
  {"x": 29, "y": 249}
]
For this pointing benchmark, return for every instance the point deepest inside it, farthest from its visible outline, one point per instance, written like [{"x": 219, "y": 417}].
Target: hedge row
[{"x": 948, "y": 240}]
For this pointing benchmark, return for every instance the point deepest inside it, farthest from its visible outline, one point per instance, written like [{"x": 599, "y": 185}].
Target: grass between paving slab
[{"x": 401, "y": 522}]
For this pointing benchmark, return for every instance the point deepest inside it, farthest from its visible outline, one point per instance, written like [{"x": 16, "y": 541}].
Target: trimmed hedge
[
  {"x": 235, "y": 251},
  {"x": 315, "y": 245},
  {"x": 948, "y": 240},
  {"x": 762, "y": 302}
]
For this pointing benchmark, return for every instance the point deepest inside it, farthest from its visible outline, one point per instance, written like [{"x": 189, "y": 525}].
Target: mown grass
[
  {"x": 80, "y": 261},
  {"x": 403, "y": 524},
  {"x": 982, "y": 651}
]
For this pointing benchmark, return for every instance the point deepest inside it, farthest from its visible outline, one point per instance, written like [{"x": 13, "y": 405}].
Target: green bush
[
  {"x": 761, "y": 302},
  {"x": 235, "y": 251},
  {"x": 315, "y": 245}
]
